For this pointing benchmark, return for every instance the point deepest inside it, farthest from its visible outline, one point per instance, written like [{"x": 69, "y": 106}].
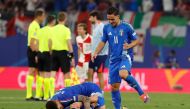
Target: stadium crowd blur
[
  {"x": 179, "y": 7},
  {"x": 78, "y": 10}
]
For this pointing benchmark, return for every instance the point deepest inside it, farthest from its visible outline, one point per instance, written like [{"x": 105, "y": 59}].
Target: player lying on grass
[{"x": 86, "y": 95}]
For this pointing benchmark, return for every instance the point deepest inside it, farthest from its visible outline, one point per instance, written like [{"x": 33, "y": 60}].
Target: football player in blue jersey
[
  {"x": 86, "y": 95},
  {"x": 121, "y": 38}
]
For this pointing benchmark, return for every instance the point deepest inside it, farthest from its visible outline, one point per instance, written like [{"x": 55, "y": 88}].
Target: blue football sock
[
  {"x": 133, "y": 83},
  {"x": 116, "y": 99}
]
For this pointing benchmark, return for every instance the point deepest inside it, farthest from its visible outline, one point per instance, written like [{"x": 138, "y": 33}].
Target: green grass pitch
[{"x": 14, "y": 99}]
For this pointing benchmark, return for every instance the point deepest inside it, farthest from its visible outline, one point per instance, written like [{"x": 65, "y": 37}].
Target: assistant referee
[
  {"x": 34, "y": 27},
  {"x": 62, "y": 49},
  {"x": 44, "y": 57}
]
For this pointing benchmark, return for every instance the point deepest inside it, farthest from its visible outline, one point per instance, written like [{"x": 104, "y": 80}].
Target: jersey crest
[{"x": 121, "y": 32}]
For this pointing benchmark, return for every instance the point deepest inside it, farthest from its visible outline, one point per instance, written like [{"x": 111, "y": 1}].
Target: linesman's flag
[{"x": 74, "y": 77}]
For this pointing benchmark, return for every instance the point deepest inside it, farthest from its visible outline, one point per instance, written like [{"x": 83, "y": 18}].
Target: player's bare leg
[
  {"x": 124, "y": 74},
  {"x": 101, "y": 80},
  {"x": 90, "y": 75}
]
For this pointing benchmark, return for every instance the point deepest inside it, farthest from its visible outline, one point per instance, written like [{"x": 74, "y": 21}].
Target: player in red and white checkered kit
[{"x": 84, "y": 50}]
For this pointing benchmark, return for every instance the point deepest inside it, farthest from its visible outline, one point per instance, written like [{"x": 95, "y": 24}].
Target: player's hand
[
  {"x": 36, "y": 59},
  {"x": 73, "y": 62},
  {"x": 70, "y": 55},
  {"x": 59, "y": 106},
  {"x": 126, "y": 46},
  {"x": 94, "y": 56},
  {"x": 50, "y": 52},
  {"x": 93, "y": 104},
  {"x": 85, "y": 100},
  {"x": 76, "y": 105},
  {"x": 33, "y": 48}
]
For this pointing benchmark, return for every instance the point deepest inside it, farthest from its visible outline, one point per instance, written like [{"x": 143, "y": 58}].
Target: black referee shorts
[
  {"x": 31, "y": 58},
  {"x": 61, "y": 60},
  {"x": 44, "y": 62}
]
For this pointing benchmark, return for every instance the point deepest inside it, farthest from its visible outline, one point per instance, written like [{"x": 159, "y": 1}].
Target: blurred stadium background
[{"x": 163, "y": 27}]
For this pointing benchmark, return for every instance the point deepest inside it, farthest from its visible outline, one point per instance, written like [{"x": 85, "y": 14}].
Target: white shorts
[{"x": 82, "y": 71}]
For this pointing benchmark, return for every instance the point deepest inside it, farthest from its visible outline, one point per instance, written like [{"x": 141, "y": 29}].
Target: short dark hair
[
  {"x": 39, "y": 12},
  {"x": 95, "y": 13},
  {"x": 51, "y": 105},
  {"x": 83, "y": 25},
  {"x": 50, "y": 18},
  {"x": 113, "y": 10},
  {"x": 61, "y": 16}
]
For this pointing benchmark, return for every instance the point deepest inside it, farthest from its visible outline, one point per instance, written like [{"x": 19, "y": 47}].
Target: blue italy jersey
[
  {"x": 86, "y": 89},
  {"x": 116, "y": 36}
]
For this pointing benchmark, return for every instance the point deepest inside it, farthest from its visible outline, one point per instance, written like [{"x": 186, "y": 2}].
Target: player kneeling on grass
[{"x": 86, "y": 95}]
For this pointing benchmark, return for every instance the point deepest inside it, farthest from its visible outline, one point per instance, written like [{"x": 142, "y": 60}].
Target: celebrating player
[
  {"x": 121, "y": 38},
  {"x": 87, "y": 93}
]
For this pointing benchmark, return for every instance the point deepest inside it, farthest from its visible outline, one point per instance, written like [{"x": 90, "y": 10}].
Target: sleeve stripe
[{"x": 134, "y": 34}]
